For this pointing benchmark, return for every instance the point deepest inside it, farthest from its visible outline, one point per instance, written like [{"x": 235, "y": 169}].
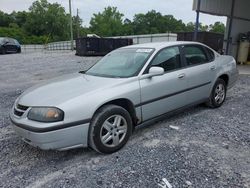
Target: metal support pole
[
  {"x": 71, "y": 27},
  {"x": 77, "y": 26},
  {"x": 230, "y": 27},
  {"x": 197, "y": 20}
]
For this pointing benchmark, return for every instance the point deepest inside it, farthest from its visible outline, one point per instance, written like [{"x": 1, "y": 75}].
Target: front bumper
[{"x": 73, "y": 136}]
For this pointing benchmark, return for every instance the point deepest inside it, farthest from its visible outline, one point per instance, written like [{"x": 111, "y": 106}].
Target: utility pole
[{"x": 71, "y": 27}]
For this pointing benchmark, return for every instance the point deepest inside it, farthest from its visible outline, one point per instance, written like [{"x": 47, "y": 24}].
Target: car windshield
[
  {"x": 123, "y": 63},
  {"x": 16, "y": 42}
]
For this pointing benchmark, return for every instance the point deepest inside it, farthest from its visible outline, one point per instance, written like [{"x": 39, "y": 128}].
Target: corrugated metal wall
[
  {"x": 215, "y": 7},
  {"x": 242, "y": 9},
  {"x": 223, "y": 7},
  {"x": 240, "y": 21}
]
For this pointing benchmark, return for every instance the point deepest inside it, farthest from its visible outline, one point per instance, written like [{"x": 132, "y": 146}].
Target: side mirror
[
  {"x": 156, "y": 71},
  {"x": 153, "y": 71}
]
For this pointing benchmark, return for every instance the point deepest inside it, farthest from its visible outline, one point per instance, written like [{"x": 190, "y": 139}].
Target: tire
[
  {"x": 19, "y": 50},
  {"x": 110, "y": 129},
  {"x": 218, "y": 94},
  {"x": 3, "y": 51}
]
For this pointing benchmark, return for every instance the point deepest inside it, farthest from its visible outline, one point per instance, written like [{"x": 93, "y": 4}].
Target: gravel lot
[{"x": 200, "y": 147}]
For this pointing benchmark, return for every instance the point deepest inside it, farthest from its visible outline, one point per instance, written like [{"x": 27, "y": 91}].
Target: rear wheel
[
  {"x": 110, "y": 129},
  {"x": 218, "y": 95}
]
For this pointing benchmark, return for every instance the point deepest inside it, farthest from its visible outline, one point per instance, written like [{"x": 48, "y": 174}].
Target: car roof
[
  {"x": 7, "y": 38},
  {"x": 160, "y": 45}
]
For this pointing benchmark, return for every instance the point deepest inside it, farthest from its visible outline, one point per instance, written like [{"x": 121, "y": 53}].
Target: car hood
[{"x": 59, "y": 90}]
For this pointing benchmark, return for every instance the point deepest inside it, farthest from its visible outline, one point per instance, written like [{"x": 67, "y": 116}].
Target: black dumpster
[
  {"x": 213, "y": 40},
  {"x": 90, "y": 46}
]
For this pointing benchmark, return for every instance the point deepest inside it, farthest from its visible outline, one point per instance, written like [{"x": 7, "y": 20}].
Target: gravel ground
[{"x": 199, "y": 147}]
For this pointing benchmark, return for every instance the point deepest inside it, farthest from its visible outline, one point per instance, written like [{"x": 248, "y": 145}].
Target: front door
[{"x": 161, "y": 94}]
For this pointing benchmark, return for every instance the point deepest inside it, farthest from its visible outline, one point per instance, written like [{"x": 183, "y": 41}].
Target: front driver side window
[{"x": 169, "y": 59}]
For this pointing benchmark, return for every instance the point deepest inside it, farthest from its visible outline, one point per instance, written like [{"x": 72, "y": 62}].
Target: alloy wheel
[
  {"x": 113, "y": 131},
  {"x": 219, "y": 93}
]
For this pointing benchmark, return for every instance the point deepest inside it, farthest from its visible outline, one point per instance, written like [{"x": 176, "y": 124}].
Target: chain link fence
[
  {"x": 61, "y": 45},
  {"x": 33, "y": 48}
]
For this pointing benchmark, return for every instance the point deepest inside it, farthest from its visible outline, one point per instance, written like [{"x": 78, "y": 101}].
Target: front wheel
[
  {"x": 218, "y": 95},
  {"x": 19, "y": 50},
  {"x": 110, "y": 129},
  {"x": 3, "y": 51}
]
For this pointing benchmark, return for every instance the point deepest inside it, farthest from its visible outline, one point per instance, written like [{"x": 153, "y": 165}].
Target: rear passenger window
[
  {"x": 169, "y": 59},
  {"x": 195, "y": 55}
]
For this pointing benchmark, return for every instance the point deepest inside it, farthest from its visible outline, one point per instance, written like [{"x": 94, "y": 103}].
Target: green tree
[
  {"x": 172, "y": 24},
  {"x": 190, "y": 27},
  {"x": 48, "y": 19},
  {"x": 218, "y": 27},
  {"x": 46, "y": 22},
  {"x": 21, "y": 36},
  {"x": 19, "y": 18},
  {"x": 155, "y": 22},
  {"x": 128, "y": 27},
  {"x": 203, "y": 27},
  {"x": 148, "y": 23},
  {"x": 107, "y": 23},
  {"x": 5, "y": 19}
]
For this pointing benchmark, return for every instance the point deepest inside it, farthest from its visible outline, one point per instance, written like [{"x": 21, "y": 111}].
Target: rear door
[
  {"x": 161, "y": 94},
  {"x": 200, "y": 73}
]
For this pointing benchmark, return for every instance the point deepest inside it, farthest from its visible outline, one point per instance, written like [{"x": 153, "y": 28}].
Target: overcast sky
[{"x": 181, "y": 9}]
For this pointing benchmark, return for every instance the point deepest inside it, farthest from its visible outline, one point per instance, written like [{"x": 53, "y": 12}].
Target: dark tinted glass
[
  {"x": 169, "y": 59},
  {"x": 195, "y": 55}
]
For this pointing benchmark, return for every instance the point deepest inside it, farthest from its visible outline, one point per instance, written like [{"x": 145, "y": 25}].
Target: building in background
[{"x": 238, "y": 19}]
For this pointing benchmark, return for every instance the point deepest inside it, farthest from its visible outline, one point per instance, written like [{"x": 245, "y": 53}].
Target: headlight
[{"x": 44, "y": 114}]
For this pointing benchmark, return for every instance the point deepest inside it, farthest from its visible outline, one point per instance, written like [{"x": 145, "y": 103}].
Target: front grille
[{"x": 20, "y": 109}]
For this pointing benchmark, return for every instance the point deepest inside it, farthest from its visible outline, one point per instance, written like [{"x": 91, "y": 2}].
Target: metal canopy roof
[{"x": 241, "y": 8}]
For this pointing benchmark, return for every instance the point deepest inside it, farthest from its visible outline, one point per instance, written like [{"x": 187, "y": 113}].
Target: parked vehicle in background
[
  {"x": 9, "y": 45},
  {"x": 101, "y": 106}
]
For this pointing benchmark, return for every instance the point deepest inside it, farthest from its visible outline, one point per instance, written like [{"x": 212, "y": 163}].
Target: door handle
[
  {"x": 181, "y": 76},
  {"x": 212, "y": 68}
]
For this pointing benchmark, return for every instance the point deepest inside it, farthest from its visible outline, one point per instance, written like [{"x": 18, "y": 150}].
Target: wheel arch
[
  {"x": 224, "y": 77},
  {"x": 124, "y": 103}
]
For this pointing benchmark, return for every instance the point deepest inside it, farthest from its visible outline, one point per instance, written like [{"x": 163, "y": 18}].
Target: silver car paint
[
  {"x": 79, "y": 96},
  {"x": 161, "y": 86},
  {"x": 62, "y": 139}
]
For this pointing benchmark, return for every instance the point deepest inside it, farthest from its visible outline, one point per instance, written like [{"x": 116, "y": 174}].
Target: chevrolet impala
[{"x": 100, "y": 107}]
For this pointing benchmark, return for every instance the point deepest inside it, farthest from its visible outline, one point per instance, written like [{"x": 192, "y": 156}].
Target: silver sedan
[{"x": 132, "y": 85}]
